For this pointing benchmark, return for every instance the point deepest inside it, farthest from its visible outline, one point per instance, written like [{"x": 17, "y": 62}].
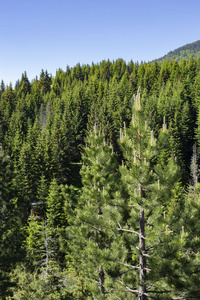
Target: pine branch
[
  {"x": 126, "y": 265},
  {"x": 145, "y": 294},
  {"x": 159, "y": 292},
  {"x": 150, "y": 248},
  {"x": 124, "y": 291},
  {"x": 109, "y": 291},
  {"x": 125, "y": 272},
  {"x": 128, "y": 289},
  {"x": 128, "y": 230},
  {"x": 130, "y": 266}
]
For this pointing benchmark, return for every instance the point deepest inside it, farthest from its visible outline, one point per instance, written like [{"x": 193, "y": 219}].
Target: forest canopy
[{"x": 99, "y": 182}]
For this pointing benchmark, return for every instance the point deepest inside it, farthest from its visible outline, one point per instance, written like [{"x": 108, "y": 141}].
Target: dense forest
[
  {"x": 183, "y": 52},
  {"x": 99, "y": 189}
]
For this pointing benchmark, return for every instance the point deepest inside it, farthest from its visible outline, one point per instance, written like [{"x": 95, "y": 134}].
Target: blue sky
[{"x": 47, "y": 34}]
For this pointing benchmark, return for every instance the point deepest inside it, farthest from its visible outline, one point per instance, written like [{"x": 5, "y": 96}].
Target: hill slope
[{"x": 183, "y": 52}]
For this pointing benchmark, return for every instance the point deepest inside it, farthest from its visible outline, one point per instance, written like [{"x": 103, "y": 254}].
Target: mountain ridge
[{"x": 183, "y": 52}]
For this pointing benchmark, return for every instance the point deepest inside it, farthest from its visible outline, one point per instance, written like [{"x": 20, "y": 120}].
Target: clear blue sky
[{"x": 47, "y": 34}]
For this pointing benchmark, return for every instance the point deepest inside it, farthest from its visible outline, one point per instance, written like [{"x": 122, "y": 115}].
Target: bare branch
[
  {"x": 150, "y": 296},
  {"x": 129, "y": 266},
  {"x": 131, "y": 231},
  {"x": 149, "y": 249},
  {"x": 130, "y": 290},
  {"x": 147, "y": 255},
  {"x": 109, "y": 291}
]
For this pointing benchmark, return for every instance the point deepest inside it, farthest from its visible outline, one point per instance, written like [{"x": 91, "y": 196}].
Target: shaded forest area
[{"x": 99, "y": 183}]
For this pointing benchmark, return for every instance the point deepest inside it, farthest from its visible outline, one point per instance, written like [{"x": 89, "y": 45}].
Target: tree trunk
[
  {"x": 142, "y": 270},
  {"x": 101, "y": 280}
]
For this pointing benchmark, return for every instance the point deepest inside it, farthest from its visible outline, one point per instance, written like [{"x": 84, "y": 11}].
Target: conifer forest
[{"x": 99, "y": 183}]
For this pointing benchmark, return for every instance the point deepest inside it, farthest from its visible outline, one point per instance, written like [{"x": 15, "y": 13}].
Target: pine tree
[
  {"x": 2, "y": 86},
  {"x": 44, "y": 83},
  {"x": 187, "y": 285},
  {"x": 149, "y": 175},
  {"x": 41, "y": 277},
  {"x": 11, "y": 226},
  {"x": 55, "y": 206},
  {"x": 92, "y": 236},
  {"x": 24, "y": 86}
]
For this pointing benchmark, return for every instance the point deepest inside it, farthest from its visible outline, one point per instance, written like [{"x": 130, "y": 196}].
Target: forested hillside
[
  {"x": 183, "y": 52},
  {"x": 99, "y": 183}
]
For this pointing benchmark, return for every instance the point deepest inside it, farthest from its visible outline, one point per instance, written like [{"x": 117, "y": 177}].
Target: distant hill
[{"x": 182, "y": 52}]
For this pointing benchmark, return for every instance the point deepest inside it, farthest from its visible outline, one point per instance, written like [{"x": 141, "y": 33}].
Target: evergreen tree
[
  {"x": 92, "y": 237},
  {"x": 11, "y": 226},
  {"x": 55, "y": 206},
  {"x": 43, "y": 278},
  {"x": 43, "y": 128},
  {"x": 188, "y": 262},
  {"x": 2, "y": 87},
  {"x": 150, "y": 182},
  {"x": 44, "y": 83},
  {"x": 24, "y": 86}
]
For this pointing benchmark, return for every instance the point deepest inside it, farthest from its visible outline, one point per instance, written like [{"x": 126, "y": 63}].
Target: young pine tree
[{"x": 93, "y": 234}]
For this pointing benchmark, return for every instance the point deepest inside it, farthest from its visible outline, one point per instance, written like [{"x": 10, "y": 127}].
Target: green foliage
[
  {"x": 47, "y": 131},
  {"x": 44, "y": 83},
  {"x": 55, "y": 206},
  {"x": 149, "y": 175},
  {"x": 94, "y": 237},
  {"x": 11, "y": 226},
  {"x": 34, "y": 286}
]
